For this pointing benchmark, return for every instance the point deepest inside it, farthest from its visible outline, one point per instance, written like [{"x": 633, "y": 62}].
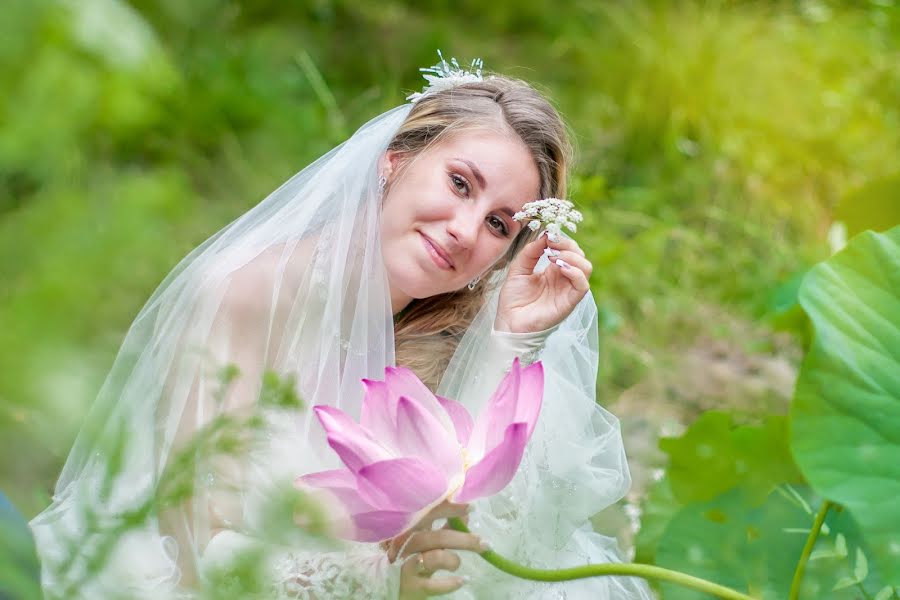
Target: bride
[{"x": 398, "y": 247}]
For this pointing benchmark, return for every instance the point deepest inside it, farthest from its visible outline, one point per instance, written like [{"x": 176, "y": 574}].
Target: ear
[{"x": 389, "y": 163}]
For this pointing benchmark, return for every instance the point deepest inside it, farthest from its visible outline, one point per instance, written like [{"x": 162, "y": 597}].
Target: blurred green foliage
[
  {"x": 718, "y": 141},
  {"x": 848, "y": 391},
  {"x": 736, "y": 502}
]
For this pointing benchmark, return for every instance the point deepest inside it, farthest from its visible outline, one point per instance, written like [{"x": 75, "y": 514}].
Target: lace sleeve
[
  {"x": 362, "y": 571},
  {"x": 355, "y": 571},
  {"x": 573, "y": 467}
]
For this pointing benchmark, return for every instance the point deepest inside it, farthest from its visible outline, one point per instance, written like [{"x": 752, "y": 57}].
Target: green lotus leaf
[
  {"x": 658, "y": 507},
  {"x": 715, "y": 455},
  {"x": 755, "y": 548},
  {"x": 845, "y": 417}
]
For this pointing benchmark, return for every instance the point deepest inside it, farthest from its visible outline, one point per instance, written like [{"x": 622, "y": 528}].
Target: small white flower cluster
[
  {"x": 446, "y": 75},
  {"x": 552, "y": 213}
]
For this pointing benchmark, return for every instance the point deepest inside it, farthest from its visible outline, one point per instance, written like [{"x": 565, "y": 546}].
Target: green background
[{"x": 723, "y": 149}]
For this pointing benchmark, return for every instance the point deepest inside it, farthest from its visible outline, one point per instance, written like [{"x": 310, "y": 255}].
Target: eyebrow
[
  {"x": 478, "y": 176},
  {"x": 483, "y": 184}
]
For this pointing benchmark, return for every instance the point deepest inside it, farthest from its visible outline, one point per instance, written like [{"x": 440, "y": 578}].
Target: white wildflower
[
  {"x": 551, "y": 213},
  {"x": 444, "y": 76},
  {"x": 553, "y": 231}
]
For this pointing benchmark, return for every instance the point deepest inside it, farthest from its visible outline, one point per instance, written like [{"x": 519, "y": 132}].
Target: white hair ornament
[{"x": 444, "y": 76}]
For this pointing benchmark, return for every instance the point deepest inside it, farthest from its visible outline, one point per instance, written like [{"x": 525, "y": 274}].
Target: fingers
[
  {"x": 576, "y": 276},
  {"x": 394, "y": 545},
  {"x": 575, "y": 260},
  {"x": 528, "y": 256},
  {"x": 565, "y": 243},
  {"x": 421, "y": 587},
  {"x": 422, "y": 541},
  {"x": 573, "y": 266},
  {"x": 416, "y": 574},
  {"x": 444, "y": 510},
  {"x": 439, "y": 586},
  {"x": 438, "y": 560},
  {"x": 432, "y": 561}
]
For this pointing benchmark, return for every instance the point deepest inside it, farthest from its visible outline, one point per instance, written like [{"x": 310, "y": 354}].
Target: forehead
[{"x": 503, "y": 159}]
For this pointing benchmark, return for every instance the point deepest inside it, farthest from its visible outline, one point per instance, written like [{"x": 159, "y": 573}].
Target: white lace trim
[{"x": 356, "y": 573}]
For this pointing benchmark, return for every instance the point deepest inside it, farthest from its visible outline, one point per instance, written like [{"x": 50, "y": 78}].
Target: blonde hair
[{"x": 428, "y": 330}]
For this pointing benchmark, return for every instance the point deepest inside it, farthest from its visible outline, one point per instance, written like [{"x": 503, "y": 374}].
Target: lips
[{"x": 438, "y": 254}]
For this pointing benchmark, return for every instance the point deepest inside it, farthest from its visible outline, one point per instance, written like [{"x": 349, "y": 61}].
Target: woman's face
[{"x": 448, "y": 216}]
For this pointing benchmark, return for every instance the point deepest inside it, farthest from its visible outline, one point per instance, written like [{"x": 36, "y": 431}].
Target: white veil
[{"x": 296, "y": 286}]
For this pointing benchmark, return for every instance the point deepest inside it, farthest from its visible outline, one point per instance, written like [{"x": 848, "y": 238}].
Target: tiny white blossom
[
  {"x": 552, "y": 213},
  {"x": 553, "y": 231},
  {"x": 444, "y": 76}
]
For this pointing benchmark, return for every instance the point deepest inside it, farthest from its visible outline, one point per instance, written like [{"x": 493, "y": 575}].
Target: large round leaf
[
  {"x": 715, "y": 455},
  {"x": 846, "y": 409},
  {"x": 755, "y": 548}
]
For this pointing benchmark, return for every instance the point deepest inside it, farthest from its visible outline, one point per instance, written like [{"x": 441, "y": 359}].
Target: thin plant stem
[
  {"x": 605, "y": 569},
  {"x": 807, "y": 550},
  {"x": 863, "y": 591}
]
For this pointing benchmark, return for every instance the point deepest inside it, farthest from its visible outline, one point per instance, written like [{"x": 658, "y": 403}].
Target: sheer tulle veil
[{"x": 297, "y": 286}]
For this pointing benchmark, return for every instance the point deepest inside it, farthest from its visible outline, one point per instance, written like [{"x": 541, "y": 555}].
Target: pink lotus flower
[{"x": 412, "y": 450}]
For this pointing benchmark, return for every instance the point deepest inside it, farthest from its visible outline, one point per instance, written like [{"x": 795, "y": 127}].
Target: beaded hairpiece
[{"x": 444, "y": 76}]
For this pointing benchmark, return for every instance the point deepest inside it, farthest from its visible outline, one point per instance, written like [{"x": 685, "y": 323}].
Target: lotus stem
[
  {"x": 807, "y": 550},
  {"x": 605, "y": 569}
]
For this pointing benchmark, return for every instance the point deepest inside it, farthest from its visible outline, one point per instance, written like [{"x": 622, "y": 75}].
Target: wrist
[{"x": 503, "y": 325}]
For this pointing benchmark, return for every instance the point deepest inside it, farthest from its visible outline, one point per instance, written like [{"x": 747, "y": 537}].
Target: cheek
[
  {"x": 488, "y": 254},
  {"x": 415, "y": 203}
]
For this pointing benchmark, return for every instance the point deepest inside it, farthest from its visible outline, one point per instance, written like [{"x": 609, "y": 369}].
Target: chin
[
  {"x": 416, "y": 283},
  {"x": 418, "y": 289}
]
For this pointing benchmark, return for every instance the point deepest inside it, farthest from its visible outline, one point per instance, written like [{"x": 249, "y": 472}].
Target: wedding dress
[{"x": 297, "y": 286}]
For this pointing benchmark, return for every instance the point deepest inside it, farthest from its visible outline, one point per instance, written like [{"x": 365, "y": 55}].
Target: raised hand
[
  {"x": 536, "y": 301},
  {"x": 425, "y": 550}
]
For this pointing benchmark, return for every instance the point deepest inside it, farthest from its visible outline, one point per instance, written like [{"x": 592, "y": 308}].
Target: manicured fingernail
[
  {"x": 466, "y": 579},
  {"x": 562, "y": 264},
  {"x": 484, "y": 546},
  {"x": 554, "y": 252}
]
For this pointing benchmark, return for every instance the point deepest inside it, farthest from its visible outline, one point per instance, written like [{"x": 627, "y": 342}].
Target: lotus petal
[
  {"x": 356, "y": 453},
  {"x": 409, "y": 445},
  {"x": 497, "y": 415},
  {"x": 531, "y": 395},
  {"x": 342, "y": 484},
  {"x": 403, "y": 382},
  {"x": 496, "y": 469},
  {"x": 379, "y": 411},
  {"x": 380, "y": 525},
  {"x": 401, "y": 484},
  {"x": 420, "y": 434},
  {"x": 337, "y": 478},
  {"x": 462, "y": 420},
  {"x": 353, "y": 444}
]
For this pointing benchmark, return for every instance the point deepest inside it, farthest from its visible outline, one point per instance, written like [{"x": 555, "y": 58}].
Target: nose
[{"x": 464, "y": 228}]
